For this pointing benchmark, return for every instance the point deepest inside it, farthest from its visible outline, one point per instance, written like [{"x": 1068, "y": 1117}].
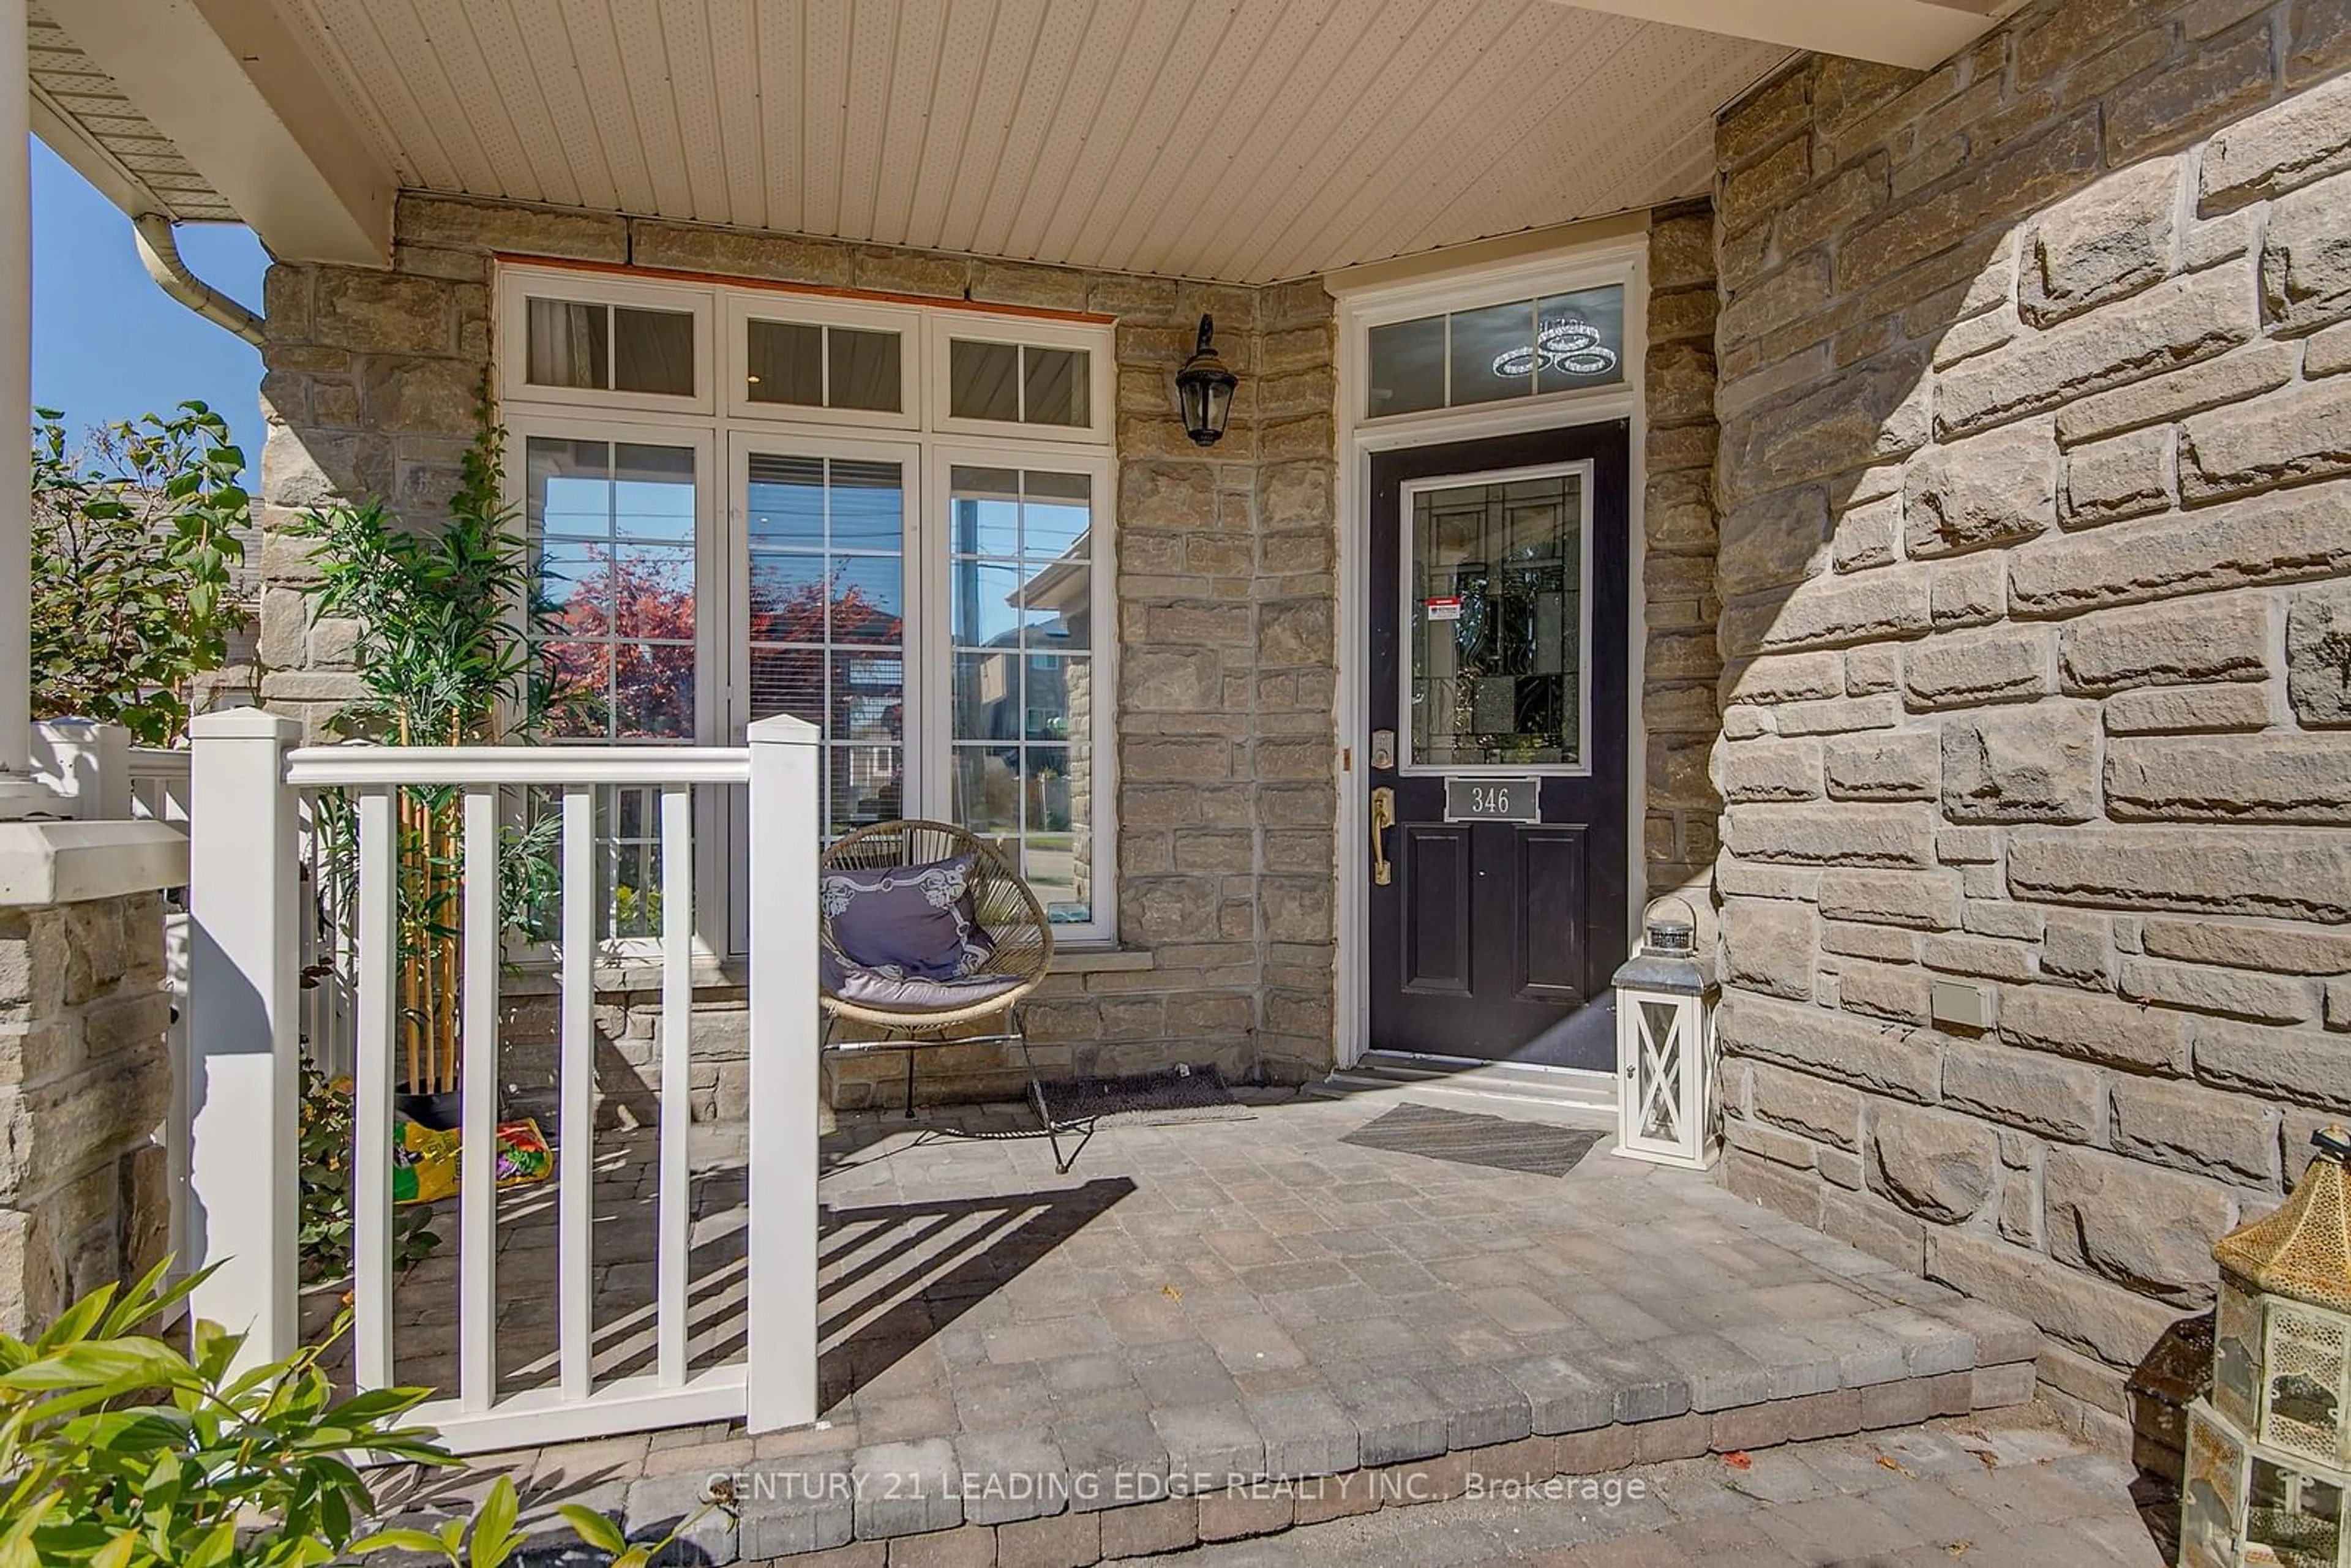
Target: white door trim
[{"x": 1620, "y": 260}]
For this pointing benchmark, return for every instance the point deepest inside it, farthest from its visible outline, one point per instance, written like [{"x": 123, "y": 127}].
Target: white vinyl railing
[
  {"x": 252, "y": 932},
  {"x": 159, "y": 783}
]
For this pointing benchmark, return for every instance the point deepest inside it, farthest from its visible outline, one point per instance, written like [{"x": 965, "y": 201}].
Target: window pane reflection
[
  {"x": 1495, "y": 585},
  {"x": 984, "y": 381},
  {"x": 786, "y": 363},
  {"x": 1562, "y": 342},
  {"x": 863, "y": 368},
  {"x": 613, "y": 571},
  {"x": 653, "y": 351},
  {"x": 1407, "y": 367},
  {"x": 828, "y": 620},
  {"x": 1022, "y": 721}
]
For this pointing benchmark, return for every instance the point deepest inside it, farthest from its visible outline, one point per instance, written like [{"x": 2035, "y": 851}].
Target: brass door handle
[{"x": 1382, "y": 819}]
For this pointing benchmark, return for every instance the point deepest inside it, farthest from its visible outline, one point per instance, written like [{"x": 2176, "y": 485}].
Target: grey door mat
[
  {"x": 1199, "y": 1094},
  {"x": 1537, "y": 1149}
]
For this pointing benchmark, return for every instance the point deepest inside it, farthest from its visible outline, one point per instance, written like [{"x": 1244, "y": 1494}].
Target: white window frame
[
  {"x": 1602, "y": 268},
  {"x": 726, "y": 428},
  {"x": 913, "y": 584},
  {"x": 1100, "y": 468},
  {"x": 519, "y": 285},
  {"x": 974, "y": 327},
  {"x": 630, "y": 428},
  {"x": 743, "y": 307}
]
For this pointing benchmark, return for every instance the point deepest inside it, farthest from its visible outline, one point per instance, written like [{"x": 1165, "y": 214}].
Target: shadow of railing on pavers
[{"x": 890, "y": 1276}]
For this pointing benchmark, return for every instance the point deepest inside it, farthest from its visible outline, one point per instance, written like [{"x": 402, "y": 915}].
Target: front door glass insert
[{"x": 1494, "y": 613}]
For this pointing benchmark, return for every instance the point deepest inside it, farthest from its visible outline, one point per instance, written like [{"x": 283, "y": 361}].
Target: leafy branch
[{"x": 135, "y": 541}]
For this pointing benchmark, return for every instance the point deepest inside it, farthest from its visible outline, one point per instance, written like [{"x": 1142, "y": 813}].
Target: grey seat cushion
[
  {"x": 915, "y": 920},
  {"x": 900, "y": 992}
]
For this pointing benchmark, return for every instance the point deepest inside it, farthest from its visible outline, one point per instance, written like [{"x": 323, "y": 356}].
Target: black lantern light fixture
[{"x": 1205, "y": 389}]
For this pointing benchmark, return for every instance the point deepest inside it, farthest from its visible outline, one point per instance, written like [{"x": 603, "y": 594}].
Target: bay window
[{"x": 890, "y": 520}]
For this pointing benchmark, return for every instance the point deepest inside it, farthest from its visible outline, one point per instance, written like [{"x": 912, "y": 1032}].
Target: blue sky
[{"x": 107, "y": 343}]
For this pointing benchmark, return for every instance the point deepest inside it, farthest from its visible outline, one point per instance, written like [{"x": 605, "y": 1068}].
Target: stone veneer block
[
  {"x": 85, "y": 1076},
  {"x": 2088, "y": 319}
]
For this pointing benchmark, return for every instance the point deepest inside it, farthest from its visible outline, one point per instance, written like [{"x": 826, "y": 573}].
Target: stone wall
[
  {"x": 85, "y": 1082},
  {"x": 1225, "y": 745},
  {"x": 2036, "y": 568},
  {"x": 1681, "y": 666}
]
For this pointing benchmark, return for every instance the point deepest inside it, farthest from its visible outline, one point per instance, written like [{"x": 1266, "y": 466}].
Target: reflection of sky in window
[
  {"x": 1011, "y": 527},
  {"x": 788, "y": 515},
  {"x": 1055, "y": 530},
  {"x": 988, "y": 528},
  {"x": 656, "y": 510},
  {"x": 633, "y": 506},
  {"x": 984, "y": 597},
  {"x": 576, "y": 506}
]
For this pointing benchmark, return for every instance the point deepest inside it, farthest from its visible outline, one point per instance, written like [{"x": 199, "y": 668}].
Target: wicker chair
[{"x": 1003, "y": 906}]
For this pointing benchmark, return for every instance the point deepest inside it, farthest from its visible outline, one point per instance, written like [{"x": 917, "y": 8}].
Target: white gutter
[{"x": 160, "y": 249}]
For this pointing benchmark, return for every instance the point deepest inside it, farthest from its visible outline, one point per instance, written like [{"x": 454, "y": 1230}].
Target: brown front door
[{"x": 1498, "y": 635}]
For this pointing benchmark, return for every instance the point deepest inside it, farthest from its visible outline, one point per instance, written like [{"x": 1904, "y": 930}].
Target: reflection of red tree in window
[
  {"x": 621, "y": 662},
  {"x": 620, "y": 656},
  {"x": 792, "y": 679}
]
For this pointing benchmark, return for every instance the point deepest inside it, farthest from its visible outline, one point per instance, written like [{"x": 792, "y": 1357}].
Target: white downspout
[
  {"x": 20, "y": 794},
  {"x": 159, "y": 247}
]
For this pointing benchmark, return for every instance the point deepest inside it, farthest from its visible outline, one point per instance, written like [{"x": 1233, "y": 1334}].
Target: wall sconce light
[{"x": 1205, "y": 389}]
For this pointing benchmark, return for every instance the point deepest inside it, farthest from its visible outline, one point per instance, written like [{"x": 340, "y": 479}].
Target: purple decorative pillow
[{"x": 914, "y": 919}]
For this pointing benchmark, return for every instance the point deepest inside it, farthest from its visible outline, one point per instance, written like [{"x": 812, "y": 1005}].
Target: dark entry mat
[
  {"x": 1536, "y": 1148},
  {"x": 1197, "y": 1094}
]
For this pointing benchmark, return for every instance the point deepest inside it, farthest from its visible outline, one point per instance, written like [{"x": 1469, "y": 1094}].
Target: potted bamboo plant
[{"x": 441, "y": 615}]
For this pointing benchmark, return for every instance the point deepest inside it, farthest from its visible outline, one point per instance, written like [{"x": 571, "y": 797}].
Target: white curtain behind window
[{"x": 566, "y": 343}]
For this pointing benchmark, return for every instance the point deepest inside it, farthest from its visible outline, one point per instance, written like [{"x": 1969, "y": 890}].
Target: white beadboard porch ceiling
[{"x": 1246, "y": 140}]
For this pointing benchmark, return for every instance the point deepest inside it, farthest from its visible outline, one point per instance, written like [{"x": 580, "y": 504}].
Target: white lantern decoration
[
  {"x": 1667, "y": 1107},
  {"x": 2269, "y": 1449}
]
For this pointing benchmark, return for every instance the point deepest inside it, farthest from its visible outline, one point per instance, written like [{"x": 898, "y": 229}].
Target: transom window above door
[
  {"x": 890, "y": 520},
  {"x": 1493, "y": 353}
]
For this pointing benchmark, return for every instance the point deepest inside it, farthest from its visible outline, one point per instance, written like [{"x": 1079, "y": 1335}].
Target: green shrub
[
  {"x": 133, "y": 542},
  {"x": 118, "y": 1452}
]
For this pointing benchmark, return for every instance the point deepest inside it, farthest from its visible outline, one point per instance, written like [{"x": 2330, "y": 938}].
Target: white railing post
[
  {"x": 243, "y": 1085},
  {"x": 784, "y": 1080}
]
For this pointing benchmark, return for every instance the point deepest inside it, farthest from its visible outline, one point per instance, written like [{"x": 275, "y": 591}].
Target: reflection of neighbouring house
[
  {"x": 1049, "y": 705},
  {"x": 870, "y": 697}
]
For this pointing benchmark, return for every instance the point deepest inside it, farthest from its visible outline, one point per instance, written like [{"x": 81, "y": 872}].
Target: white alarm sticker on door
[{"x": 1444, "y": 609}]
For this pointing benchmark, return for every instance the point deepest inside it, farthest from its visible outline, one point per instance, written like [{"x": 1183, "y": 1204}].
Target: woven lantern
[{"x": 2269, "y": 1450}]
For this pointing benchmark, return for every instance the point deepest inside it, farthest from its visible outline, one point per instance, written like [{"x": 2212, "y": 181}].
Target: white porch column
[
  {"x": 783, "y": 1084},
  {"x": 244, "y": 1029},
  {"x": 18, "y": 791}
]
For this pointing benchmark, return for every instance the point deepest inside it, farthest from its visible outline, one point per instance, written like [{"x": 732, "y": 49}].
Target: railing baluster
[
  {"x": 576, "y": 1193},
  {"x": 379, "y": 1024},
  {"x": 477, "y": 1256},
  {"x": 676, "y": 1059}
]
